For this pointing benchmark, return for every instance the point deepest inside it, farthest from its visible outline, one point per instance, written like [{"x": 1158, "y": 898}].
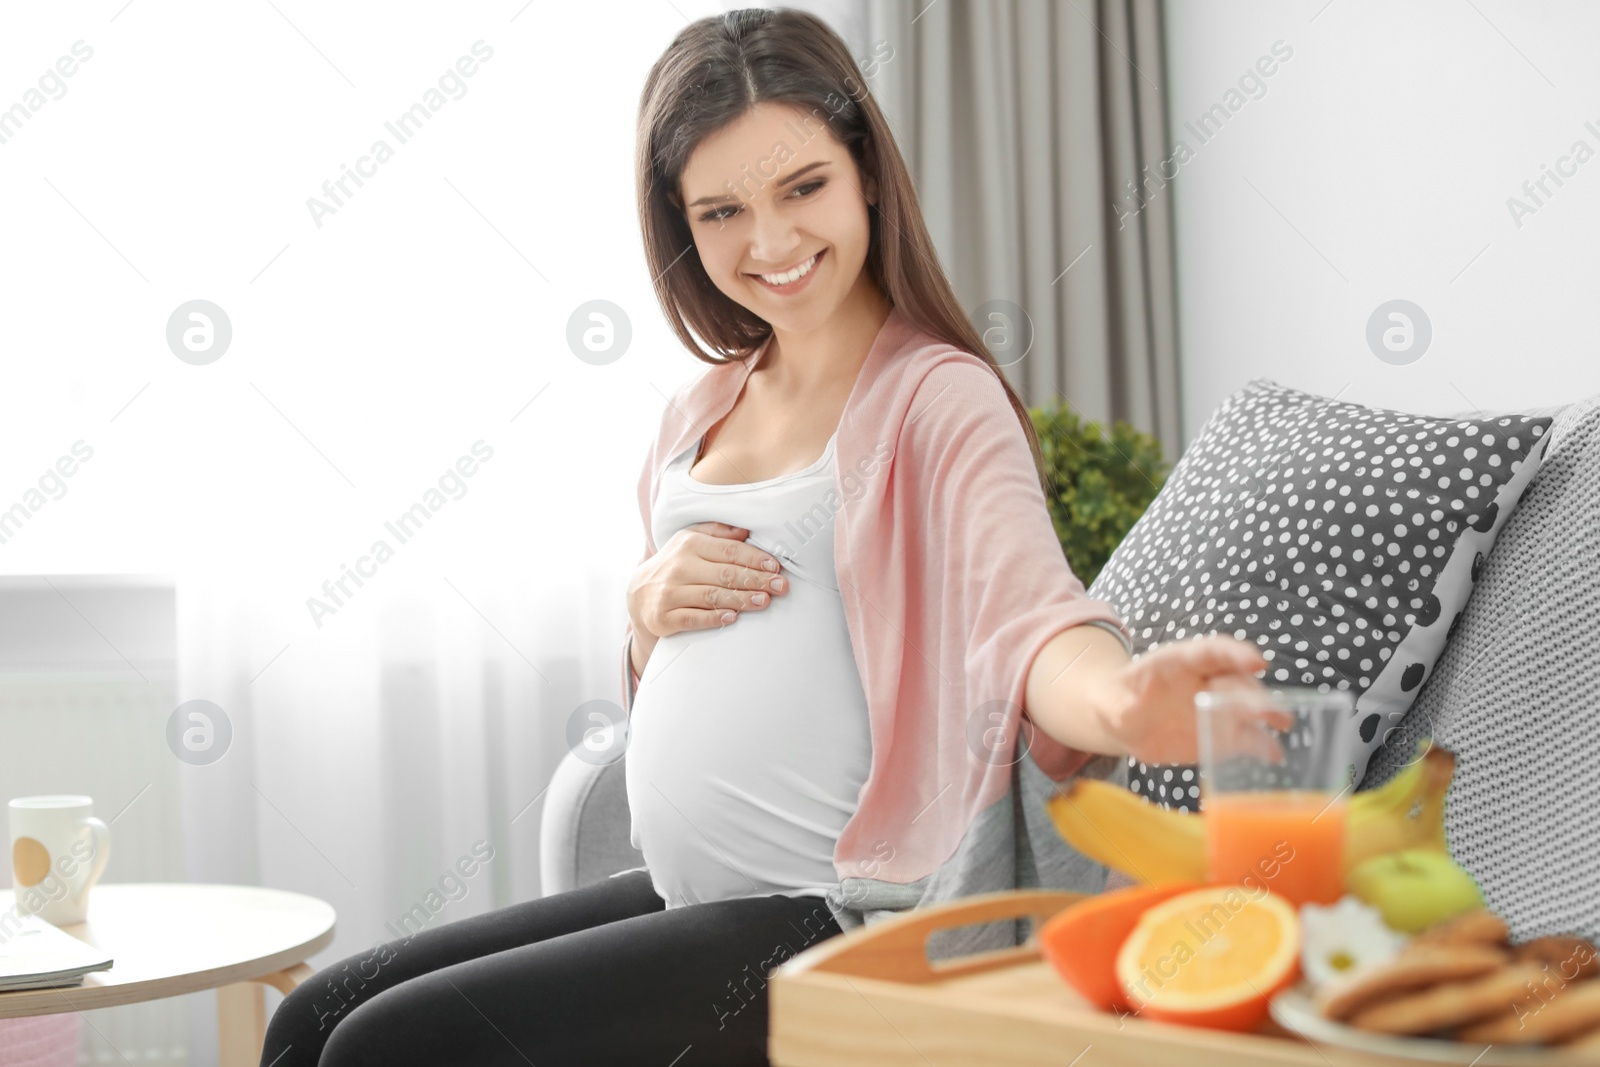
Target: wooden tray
[{"x": 871, "y": 996}]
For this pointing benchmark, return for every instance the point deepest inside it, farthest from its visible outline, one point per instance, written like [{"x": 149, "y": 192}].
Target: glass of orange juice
[{"x": 1276, "y": 770}]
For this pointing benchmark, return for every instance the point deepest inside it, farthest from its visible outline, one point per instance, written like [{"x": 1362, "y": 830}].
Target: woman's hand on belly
[{"x": 701, "y": 579}]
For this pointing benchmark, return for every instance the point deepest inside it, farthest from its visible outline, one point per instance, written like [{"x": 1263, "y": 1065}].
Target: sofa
[{"x": 1515, "y": 694}]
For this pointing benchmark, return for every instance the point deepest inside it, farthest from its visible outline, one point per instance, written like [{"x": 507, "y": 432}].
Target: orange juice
[{"x": 1290, "y": 842}]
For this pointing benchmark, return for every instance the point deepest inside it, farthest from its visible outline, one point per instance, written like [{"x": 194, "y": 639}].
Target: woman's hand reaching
[{"x": 1148, "y": 705}]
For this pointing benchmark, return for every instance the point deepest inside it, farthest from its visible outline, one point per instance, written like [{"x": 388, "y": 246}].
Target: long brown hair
[{"x": 716, "y": 70}]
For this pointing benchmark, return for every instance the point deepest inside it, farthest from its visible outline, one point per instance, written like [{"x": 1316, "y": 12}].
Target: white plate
[{"x": 1294, "y": 1011}]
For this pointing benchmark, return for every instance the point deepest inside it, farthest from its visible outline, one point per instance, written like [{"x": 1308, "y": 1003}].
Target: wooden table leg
[
  {"x": 241, "y": 1024},
  {"x": 242, "y": 1015}
]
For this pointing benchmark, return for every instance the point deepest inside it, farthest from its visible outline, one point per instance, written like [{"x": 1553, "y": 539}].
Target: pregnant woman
[{"x": 856, "y": 659}]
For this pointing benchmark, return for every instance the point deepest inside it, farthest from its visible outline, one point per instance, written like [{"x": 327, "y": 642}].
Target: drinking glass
[{"x": 1276, "y": 771}]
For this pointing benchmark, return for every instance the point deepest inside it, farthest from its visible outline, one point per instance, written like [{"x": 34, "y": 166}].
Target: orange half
[
  {"x": 1081, "y": 941},
  {"x": 1212, "y": 957}
]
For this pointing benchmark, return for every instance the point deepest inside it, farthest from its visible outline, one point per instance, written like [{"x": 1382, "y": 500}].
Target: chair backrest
[
  {"x": 585, "y": 826},
  {"x": 1516, "y": 696}
]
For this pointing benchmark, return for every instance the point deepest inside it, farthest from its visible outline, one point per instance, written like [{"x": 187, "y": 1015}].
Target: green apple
[{"x": 1414, "y": 888}]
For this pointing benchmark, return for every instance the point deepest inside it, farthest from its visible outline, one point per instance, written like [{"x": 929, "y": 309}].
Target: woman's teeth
[{"x": 789, "y": 276}]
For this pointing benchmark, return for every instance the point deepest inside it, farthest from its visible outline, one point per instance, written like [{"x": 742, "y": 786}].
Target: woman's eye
[{"x": 721, "y": 213}]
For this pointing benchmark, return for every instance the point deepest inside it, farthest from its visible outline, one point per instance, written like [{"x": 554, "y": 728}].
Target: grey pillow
[{"x": 1342, "y": 539}]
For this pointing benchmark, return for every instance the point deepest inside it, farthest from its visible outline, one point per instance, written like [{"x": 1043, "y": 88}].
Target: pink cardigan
[{"x": 952, "y": 579}]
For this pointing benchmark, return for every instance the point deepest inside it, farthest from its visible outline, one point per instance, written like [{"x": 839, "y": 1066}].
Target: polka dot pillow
[{"x": 1341, "y": 539}]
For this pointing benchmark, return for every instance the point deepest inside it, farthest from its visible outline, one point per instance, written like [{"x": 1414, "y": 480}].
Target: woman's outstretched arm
[{"x": 1085, "y": 691}]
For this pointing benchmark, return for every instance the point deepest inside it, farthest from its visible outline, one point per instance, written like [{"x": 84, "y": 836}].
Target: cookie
[
  {"x": 1415, "y": 968},
  {"x": 1451, "y": 1004},
  {"x": 1588, "y": 1041},
  {"x": 1570, "y": 1011},
  {"x": 1571, "y": 958},
  {"x": 1478, "y": 927}
]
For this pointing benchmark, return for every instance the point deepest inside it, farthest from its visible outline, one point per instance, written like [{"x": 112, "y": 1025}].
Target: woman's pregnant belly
[{"x": 747, "y": 748}]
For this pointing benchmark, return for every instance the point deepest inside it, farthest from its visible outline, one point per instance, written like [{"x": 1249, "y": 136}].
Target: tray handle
[{"x": 895, "y": 949}]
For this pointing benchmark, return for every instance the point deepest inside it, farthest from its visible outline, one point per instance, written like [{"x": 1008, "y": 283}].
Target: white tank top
[{"x": 748, "y": 744}]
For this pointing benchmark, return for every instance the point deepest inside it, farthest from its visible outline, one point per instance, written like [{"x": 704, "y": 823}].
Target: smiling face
[{"x": 773, "y": 192}]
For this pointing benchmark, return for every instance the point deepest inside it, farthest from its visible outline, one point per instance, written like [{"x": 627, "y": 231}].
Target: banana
[
  {"x": 1406, "y": 812},
  {"x": 1120, "y": 829}
]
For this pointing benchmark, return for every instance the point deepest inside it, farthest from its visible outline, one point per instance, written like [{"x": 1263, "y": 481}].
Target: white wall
[{"x": 1391, "y": 140}]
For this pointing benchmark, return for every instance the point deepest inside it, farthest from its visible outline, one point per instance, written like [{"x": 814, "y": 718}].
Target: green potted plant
[{"x": 1102, "y": 484}]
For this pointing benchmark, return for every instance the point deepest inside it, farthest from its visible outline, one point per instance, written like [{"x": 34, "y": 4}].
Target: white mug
[{"x": 58, "y": 851}]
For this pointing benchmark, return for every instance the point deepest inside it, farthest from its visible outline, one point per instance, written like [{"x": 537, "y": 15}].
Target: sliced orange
[
  {"x": 1081, "y": 941},
  {"x": 1211, "y": 957}
]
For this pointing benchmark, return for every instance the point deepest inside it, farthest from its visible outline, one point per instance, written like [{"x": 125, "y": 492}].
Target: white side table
[{"x": 173, "y": 938}]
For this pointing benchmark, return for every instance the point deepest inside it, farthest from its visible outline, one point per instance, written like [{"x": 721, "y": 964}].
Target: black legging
[{"x": 605, "y": 974}]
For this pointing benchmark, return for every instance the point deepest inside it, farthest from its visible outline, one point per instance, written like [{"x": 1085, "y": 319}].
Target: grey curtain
[{"x": 1037, "y": 134}]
